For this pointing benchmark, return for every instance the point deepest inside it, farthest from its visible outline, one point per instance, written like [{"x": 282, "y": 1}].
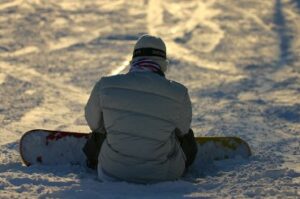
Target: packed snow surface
[{"x": 239, "y": 59}]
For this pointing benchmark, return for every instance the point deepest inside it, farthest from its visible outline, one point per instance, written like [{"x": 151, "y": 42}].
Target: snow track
[
  {"x": 157, "y": 26},
  {"x": 53, "y": 90}
]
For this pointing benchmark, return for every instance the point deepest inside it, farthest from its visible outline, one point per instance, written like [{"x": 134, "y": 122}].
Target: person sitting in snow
[{"x": 140, "y": 121}]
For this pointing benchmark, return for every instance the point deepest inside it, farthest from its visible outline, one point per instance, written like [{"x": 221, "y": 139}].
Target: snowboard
[{"x": 48, "y": 147}]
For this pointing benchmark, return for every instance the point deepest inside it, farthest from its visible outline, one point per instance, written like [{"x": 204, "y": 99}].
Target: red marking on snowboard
[{"x": 56, "y": 135}]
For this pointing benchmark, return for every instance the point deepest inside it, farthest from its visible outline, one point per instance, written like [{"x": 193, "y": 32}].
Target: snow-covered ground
[{"x": 239, "y": 59}]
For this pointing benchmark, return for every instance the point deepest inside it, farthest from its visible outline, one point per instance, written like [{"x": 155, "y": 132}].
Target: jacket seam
[
  {"x": 137, "y": 90},
  {"x": 138, "y": 113},
  {"x": 133, "y": 135}
]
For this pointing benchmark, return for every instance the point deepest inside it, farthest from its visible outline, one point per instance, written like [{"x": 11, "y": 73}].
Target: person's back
[
  {"x": 143, "y": 116},
  {"x": 141, "y": 112}
]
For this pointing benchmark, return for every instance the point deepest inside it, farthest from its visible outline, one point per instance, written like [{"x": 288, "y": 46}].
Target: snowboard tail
[
  {"x": 47, "y": 147},
  {"x": 221, "y": 148}
]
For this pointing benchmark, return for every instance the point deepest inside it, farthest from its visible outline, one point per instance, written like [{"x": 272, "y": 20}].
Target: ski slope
[{"x": 239, "y": 59}]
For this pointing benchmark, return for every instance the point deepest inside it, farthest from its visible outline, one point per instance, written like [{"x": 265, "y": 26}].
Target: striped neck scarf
[{"x": 145, "y": 65}]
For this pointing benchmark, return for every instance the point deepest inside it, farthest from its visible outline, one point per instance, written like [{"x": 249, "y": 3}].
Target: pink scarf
[{"x": 145, "y": 65}]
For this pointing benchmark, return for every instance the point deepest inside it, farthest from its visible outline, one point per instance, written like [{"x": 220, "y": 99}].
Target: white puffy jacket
[{"x": 140, "y": 111}]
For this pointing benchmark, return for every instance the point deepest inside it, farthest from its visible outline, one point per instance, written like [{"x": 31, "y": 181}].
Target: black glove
[
  {"x": 92, "y": 148},
  {"x": 189, "y": 146}
]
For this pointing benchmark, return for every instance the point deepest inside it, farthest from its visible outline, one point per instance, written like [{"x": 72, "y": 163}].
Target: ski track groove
[
  {"x": 35, "y": 118},
  {"x": 254, "y": 18},
  {"x": 27, "y": 74},
  {"x": 10, "y": 4},
  {"x": 178, "y": 51}
]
